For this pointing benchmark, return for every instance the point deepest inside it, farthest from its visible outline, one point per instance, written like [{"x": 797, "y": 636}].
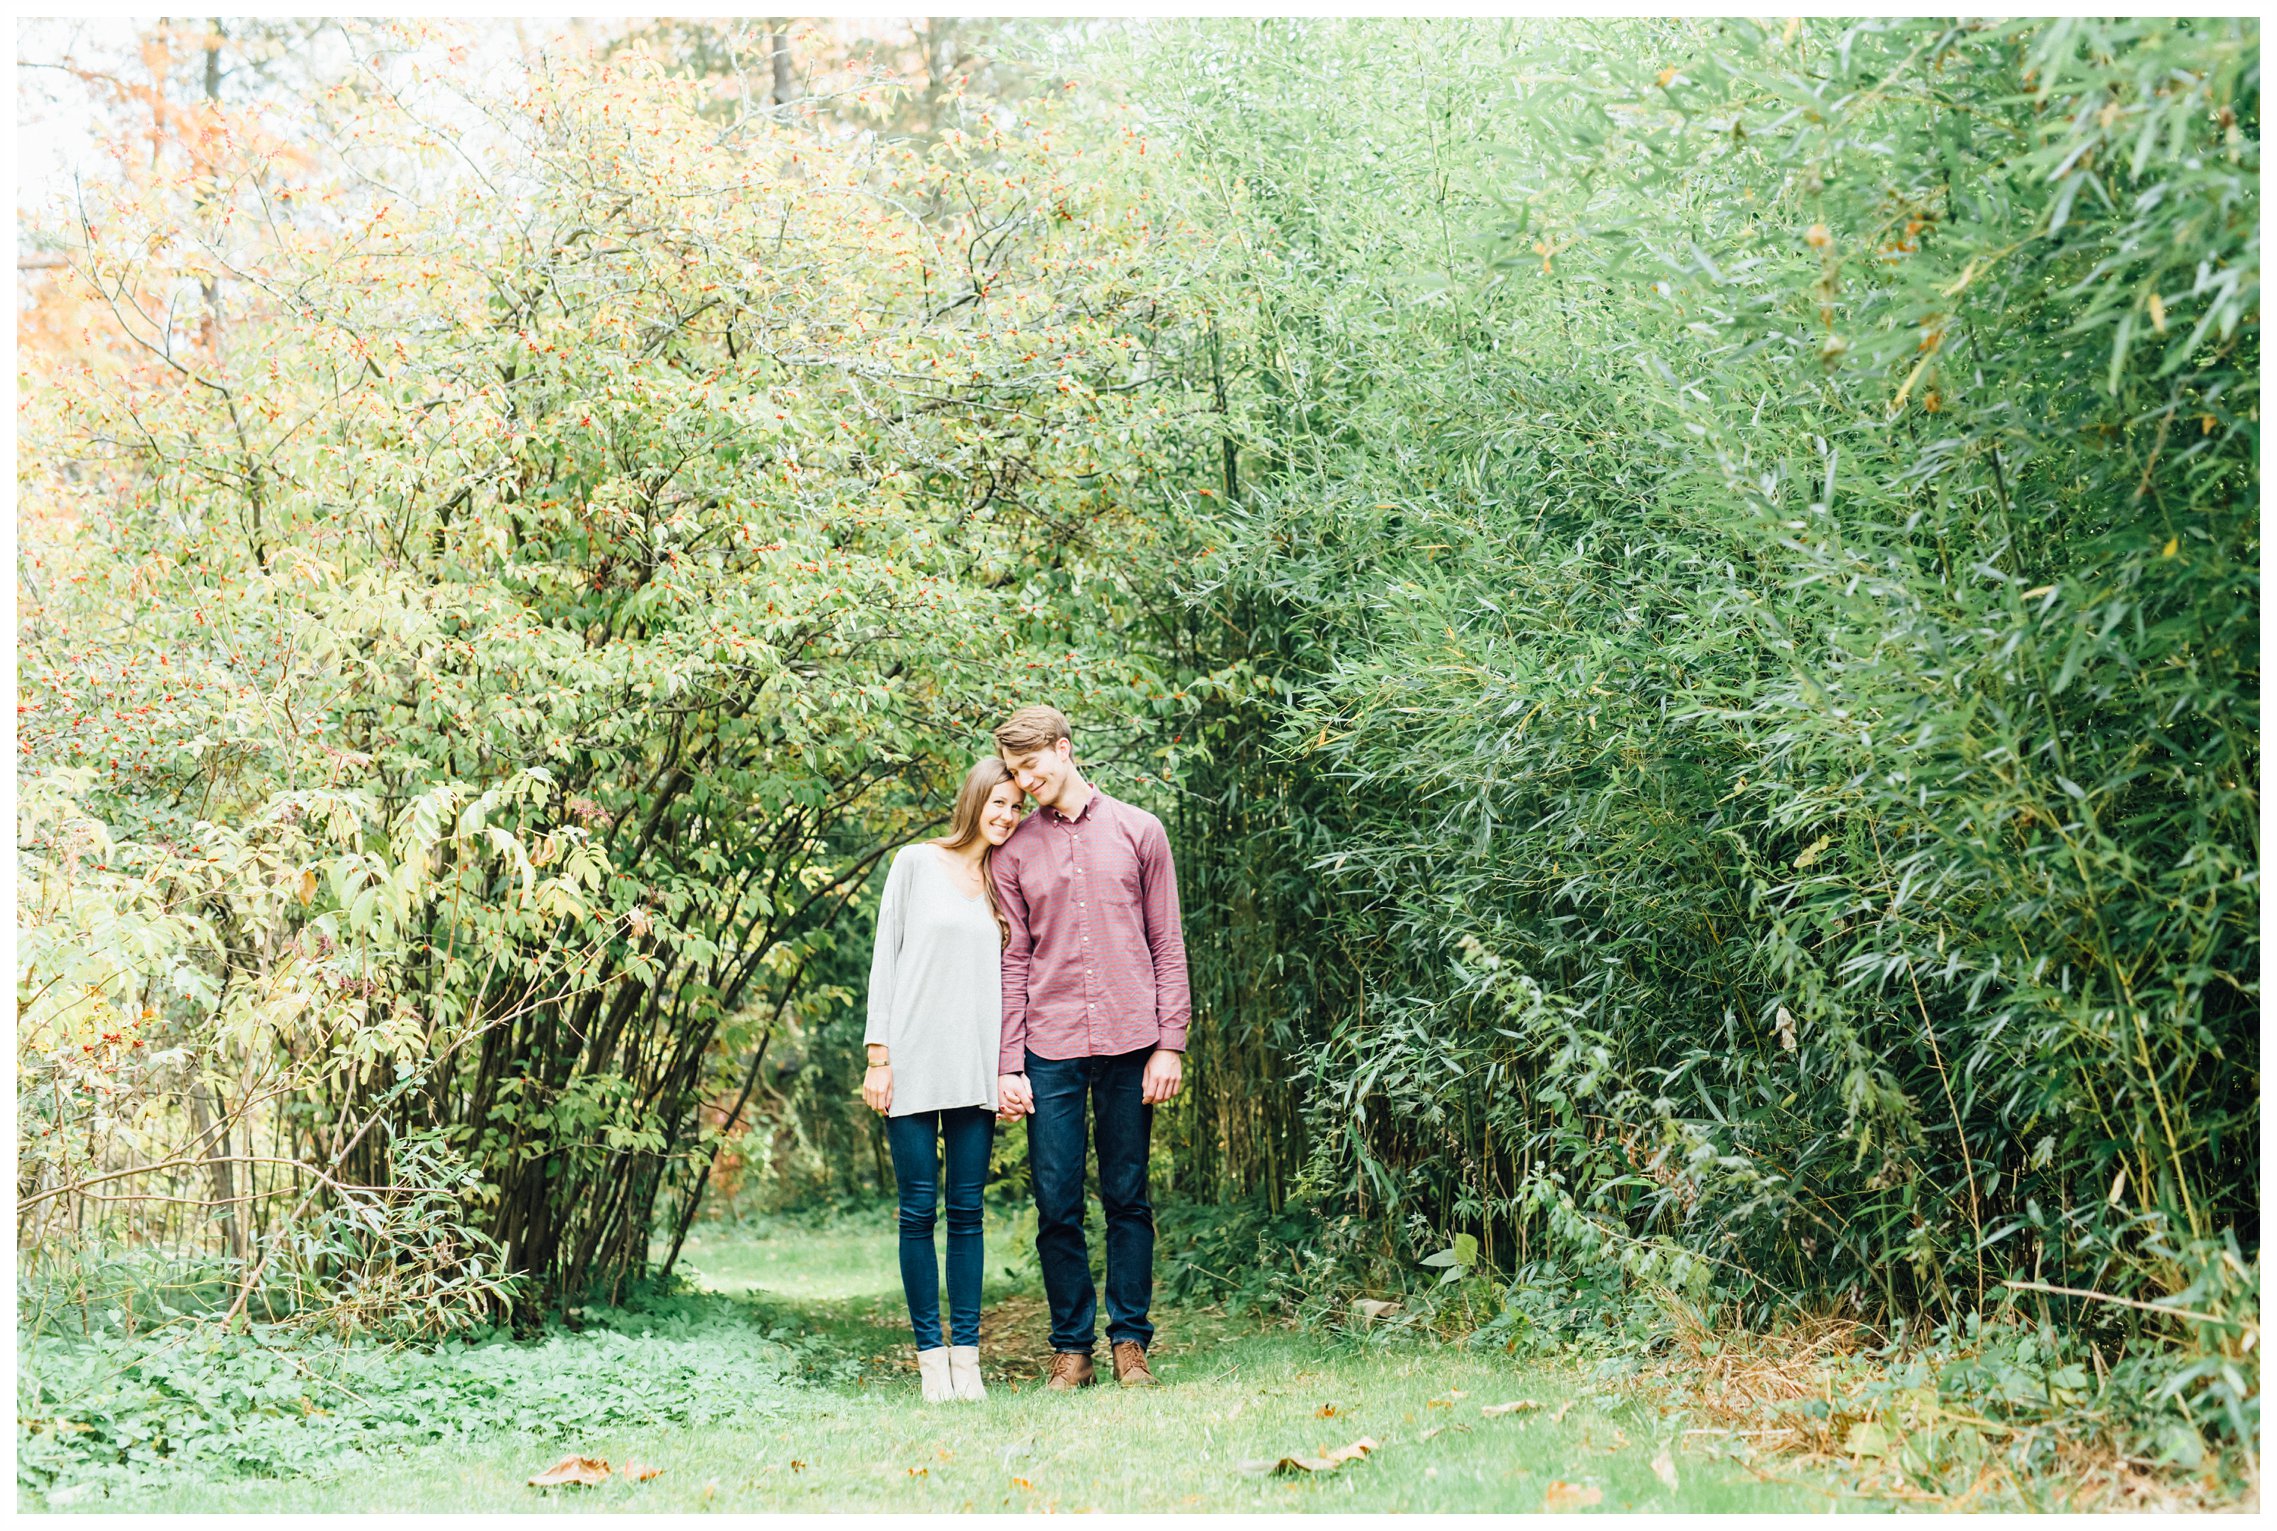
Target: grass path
[{"x": 857, "y": 1438}]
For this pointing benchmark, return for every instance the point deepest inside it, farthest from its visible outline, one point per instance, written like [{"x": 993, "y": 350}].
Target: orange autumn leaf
[
  {"x": 1571, "y": 1496},
  {"x": 587, "y": 1471}
]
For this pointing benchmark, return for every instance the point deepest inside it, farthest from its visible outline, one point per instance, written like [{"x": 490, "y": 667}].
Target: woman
[{"x": 935, "y": 1017}]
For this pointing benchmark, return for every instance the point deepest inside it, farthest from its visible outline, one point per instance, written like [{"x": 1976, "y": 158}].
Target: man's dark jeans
[
  {"x": 922, "y": 1143},
  {"x": 1120, "y": 1123}
]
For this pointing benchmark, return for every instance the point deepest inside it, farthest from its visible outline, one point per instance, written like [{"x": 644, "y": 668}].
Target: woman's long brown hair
[{"x": 987, "y": 774}]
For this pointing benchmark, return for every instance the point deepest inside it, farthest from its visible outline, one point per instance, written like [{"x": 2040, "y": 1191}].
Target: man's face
[{"x": 1041, "y": 773}]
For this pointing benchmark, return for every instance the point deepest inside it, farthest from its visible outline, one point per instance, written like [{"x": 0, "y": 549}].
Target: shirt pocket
[{"x": 1123, "y": 872}]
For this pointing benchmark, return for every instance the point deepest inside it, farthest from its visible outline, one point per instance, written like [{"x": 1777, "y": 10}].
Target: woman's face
[{"x": 1000, "y": 815}]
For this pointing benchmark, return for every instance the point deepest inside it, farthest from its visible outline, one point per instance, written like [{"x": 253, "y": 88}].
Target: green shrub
[{"x": 1745, "y": 547}]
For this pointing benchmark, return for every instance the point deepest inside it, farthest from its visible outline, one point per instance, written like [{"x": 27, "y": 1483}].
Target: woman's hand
[{"x": 877, "y": 1087}]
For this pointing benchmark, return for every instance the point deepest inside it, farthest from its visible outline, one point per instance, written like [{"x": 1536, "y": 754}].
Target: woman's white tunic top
[{"x": 936, "y": 994}]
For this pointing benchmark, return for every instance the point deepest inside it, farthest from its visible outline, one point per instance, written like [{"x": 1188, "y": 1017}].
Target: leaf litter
[
  {"x": 1562, "y": 1495},
  {"x": 589, "y": 1472},
  {"x": 1326, "y": 1462}
]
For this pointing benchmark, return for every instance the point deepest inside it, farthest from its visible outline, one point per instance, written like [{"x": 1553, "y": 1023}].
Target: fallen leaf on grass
[
  {"x": 1023, "y": 1485},
  {"x": 797, "y": 1465},
  {"x": 1664, "y": 1467},
  {"x": 641, "y": 1472},
  {"x": 1436, "y": 1429},
  {"x": 585, "y": 1470},
  {"x": 1326, "y": 1462},
  {"x": 1514, "y": 1406},
  {"x": 1571, "y": 1496},
  {"x": 1325, "y": 1411},
  {"x": 1558, "y": 1414},
  {"x": 920, "y": 1472}
]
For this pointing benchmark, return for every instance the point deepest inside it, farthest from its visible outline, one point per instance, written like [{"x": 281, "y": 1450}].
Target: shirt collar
[{"x": 1089, "y": 804}]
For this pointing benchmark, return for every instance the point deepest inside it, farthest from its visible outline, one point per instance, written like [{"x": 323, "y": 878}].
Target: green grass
[
  {"x": 854, "y": 1436},
  {"x": 1176, "y": 1449}
]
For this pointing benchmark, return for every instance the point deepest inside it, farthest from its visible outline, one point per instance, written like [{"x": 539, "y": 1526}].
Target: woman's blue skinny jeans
[{"x": 940, "y": 1160}]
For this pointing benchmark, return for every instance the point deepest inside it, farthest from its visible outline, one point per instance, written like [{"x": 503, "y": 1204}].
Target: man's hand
[
  {"x": 1013, "y": 1097},
  {"x": 877, "y": 1088},
  {"x": 1165, "y": 1074}
]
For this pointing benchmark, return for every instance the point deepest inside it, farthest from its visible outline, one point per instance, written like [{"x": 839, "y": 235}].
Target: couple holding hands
[{"x": 1028, "y": 966}]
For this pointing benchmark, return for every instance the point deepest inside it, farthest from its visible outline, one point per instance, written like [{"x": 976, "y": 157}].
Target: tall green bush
[{"x": 1746, "y": 544}]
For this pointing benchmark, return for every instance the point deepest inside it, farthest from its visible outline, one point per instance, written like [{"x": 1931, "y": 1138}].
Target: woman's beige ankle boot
[
  {"x": 964, "y": 1373},
  {"x": 933, "y": 1375}
]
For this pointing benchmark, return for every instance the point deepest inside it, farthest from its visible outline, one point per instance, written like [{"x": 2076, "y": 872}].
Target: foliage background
[{"x": 1690, "y": 594}]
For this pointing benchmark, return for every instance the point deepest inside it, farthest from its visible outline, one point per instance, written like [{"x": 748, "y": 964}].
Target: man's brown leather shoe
[
  {"x": 1071, "y": 1369},
  {"x": 1130, "y": 1364}
]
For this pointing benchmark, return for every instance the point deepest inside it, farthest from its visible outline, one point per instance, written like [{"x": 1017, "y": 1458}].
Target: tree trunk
[
  {"x": 786, "y": 84},
  {"x": 218, "y": 1169}
]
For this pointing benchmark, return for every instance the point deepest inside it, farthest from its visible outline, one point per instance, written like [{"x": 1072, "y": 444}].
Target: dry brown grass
[{"x": 1761, "y": 1391}]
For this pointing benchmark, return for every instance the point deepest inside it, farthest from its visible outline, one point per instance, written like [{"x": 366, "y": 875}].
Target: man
[{"x": 1095, "y": 1011}]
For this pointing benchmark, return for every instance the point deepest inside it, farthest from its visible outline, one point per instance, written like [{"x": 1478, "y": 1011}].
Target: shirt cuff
[{"x": 1173, "y": 1038}]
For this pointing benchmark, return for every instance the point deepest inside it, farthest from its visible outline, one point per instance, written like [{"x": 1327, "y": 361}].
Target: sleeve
[
  {"x": 1165, "y": 936},
  {"x": 1012, "y": 1050},
  {"x": 885, "y": 955}
]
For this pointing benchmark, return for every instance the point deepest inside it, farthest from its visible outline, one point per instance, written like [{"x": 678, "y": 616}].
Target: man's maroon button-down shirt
[{"x": 1096, "y": 963}]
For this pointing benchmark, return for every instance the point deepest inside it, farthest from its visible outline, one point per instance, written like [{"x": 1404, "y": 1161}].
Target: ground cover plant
[{"x": 106, "y": 1415}]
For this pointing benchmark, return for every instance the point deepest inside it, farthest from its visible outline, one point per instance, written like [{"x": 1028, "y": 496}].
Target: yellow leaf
[
  {"x": 1813, "y": 851},
  {"x": 1327, "y": 1461},
  {"x": 1515, "y": 1406},
  {"x": 2158, "y": 313},
  {"x": 1910, "y": 379},
  {"x": 2173, "y": 546}
]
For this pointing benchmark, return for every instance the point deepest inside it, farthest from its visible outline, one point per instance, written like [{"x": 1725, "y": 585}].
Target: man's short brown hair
[{"x": 1031, "y": 729}]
